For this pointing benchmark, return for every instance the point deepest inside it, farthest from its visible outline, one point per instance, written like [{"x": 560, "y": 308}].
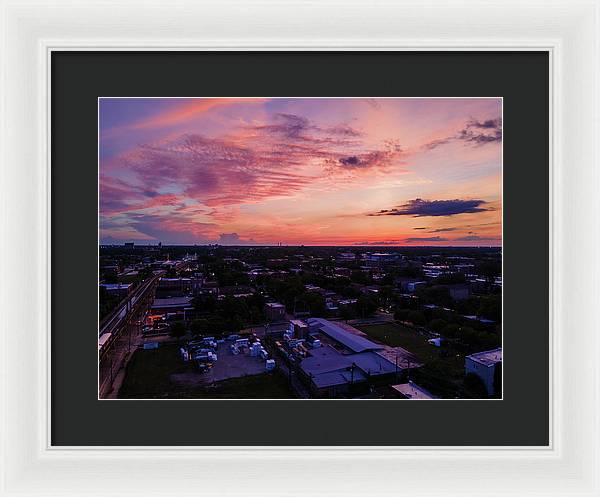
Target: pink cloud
[{"x": 193, "y": 188}]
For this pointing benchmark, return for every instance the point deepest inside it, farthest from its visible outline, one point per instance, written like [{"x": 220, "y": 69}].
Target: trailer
[{"x": 104, "y": 343}]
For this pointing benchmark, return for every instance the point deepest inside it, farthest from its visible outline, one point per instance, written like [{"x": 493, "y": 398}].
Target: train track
[{"x": 123, "y": 329}]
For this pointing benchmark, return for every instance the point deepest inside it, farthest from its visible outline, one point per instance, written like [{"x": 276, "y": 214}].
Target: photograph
[{"x": 300, "y": 248}]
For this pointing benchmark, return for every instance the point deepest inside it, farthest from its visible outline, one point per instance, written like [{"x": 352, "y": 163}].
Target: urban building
[
  {"x": 174, "y": 286},
  {"x": 413, "y": 391},
  {"x": 119, "y": 289},
  {"x": 172, "y": 305},
  {"x": 275, "y": 311},
  {"x": 488, "y": 366},
  {"x": 348, "y": 365},
  {"x": 458, "y": 291}
]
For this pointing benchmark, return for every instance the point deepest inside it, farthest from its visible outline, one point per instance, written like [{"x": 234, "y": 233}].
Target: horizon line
[{"x": 292, "y": 245}]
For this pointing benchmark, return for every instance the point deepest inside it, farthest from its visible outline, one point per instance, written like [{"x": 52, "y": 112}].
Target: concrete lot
[{"x": 229, "y": 365}]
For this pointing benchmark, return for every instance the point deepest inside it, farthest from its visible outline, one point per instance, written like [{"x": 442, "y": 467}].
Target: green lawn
[
  {"x": 443, "y": 376},
  {"x": 398, "y": 335},
  {"x": 148, "y": 374},
  {"x": 272, "y": 385}
]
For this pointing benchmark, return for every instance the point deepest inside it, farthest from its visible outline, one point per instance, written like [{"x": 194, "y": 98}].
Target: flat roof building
[
  {"x": 413, "y": 391},
  {"x": 119, "y": 289},
  {"x": 333, "y": 372},
  {"x": 355, "y": 343},
  {"x": 275, "y": 311},
  {"x": 172, "y": 304},
  {"x": 488, "y": 366}
]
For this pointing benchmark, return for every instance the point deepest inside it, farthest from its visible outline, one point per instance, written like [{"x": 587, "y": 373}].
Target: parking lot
[{"x": 229, "y": 365}]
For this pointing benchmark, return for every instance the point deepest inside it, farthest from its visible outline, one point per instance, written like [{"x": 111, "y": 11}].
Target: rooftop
[
  {"x": 172, "y": 302},
  {"x": 413, "y": 391},
  {"x": 337, "y": 378},
  {"x": 487, "y": 357},
  {"x": 116, "y": 286},
  {"x": 354, "y": 342},
  {"x": 328, "y": 367}
]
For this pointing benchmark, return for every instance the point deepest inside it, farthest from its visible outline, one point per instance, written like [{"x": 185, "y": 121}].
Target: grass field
[
  {"x": 272, "y": 385},
  {"x": 442, "y": 376},
  {"x": 148, "y": 376},
  {"x": 397, "y": 335}
]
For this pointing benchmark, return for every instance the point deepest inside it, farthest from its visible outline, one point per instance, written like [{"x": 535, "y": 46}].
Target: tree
[
  {"x": 401, "y": 314},
  {"x": 315, "y": 304},
  {"x": 474, "y": 387},
  {"x": 498, "y": 380},
  {"x": 347, "y": 312},
  {"x": 437, "y": 295},
  {"x": 491, "y": 308},
  {"x": 450, "y": 331},
  {"x": 366, "y": 305},
  {"x": 205, "y": 303},
  {"x": 437, "y": 325},
  {"x": 177, "y": 330},
  {"x": 111, "y": 278},
  {"x": 361, "y": 277},
  {"x": 386, "y": 293},
  {"x": 199, "y": 327},
  {"x": 417, "y": 318}
]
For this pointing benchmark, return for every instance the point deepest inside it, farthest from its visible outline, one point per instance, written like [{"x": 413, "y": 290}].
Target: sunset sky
[{"x": 301, "y": 171}]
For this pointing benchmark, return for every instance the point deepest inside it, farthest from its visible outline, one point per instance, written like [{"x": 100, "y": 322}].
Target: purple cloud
[
  {"x": 476, "y": 238},
  {"x": 425, "y": 239},
  {"x": 475, "y": 132},
  {"x": 423, "y": 208}
]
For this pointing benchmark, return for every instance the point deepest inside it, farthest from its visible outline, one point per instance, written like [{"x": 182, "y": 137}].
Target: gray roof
[
  {"x": 328, "y": 367},
  {"x": 487, "y": 357},
  {"x": 354, "y": 342},
  {"x": 325, "y": 359},
  {"x": 174, "y": 302},
  {"x": 372, "y": 363},
  {"x": 337, "y": 378}
]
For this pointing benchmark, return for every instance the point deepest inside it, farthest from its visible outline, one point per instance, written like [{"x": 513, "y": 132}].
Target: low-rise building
[
  {"x": 457, "y": 291},
  {"x": 120, "y": 290},
  {"x": 349, "y": 367},
  {"x": 413, "y": 391},
  {"x": 275, "y": 311},
  {"x": 172, "y": 305},
  {"x": 174, "y": 286},
  {"x": 488, "y": 366}
]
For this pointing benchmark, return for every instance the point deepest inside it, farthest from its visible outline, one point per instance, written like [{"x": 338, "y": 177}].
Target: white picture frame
[{"x": 568, "y": 30}]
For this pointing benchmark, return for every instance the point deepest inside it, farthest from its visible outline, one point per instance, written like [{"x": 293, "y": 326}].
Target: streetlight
[{"x": 407, "y": 360}]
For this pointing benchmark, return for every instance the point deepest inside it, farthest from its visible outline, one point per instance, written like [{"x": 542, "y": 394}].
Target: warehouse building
[{"x": 346, "y": 366}]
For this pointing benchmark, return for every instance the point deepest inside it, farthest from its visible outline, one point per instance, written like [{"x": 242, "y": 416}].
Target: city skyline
[{"x": 301, "y": 171}]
